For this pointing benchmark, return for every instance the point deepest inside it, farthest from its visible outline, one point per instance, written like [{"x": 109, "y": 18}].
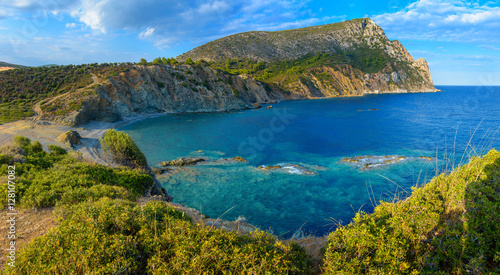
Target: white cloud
[
  {"x": 171, "y": 22},
  {"x": 146, "y": 33},
  {"x": 489, "y": 47},
  {"x": 448, "y": 20}
]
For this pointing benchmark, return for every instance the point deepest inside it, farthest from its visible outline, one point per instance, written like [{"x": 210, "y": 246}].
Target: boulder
[
  {"x": 182, "y": 162},
  {"x": 70, "y": 138},
  {"x": 256, "y": 105}
]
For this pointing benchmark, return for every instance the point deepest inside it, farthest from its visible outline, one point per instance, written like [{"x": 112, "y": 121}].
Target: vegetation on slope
[
  {"x": 449, "y": 226},
  {"x": 45, "y": 179},
  {"x": 22, "y": 87},
  {"x": 102, "y": 231}
]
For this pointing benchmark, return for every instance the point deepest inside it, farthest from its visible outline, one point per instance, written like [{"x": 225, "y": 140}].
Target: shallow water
[{"x": 316, "y": 135}]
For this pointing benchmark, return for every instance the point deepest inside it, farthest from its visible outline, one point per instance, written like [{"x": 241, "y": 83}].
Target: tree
[
  {"x": 143, "y": 62},
  {"x": 157, "y": 61},
  {"x": 189, "y": 61}
]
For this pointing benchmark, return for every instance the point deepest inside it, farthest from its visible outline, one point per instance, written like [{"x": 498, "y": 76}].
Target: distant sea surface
[{"x": 316, "y": 134}]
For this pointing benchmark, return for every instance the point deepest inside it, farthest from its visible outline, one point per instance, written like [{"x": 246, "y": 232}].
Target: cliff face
[
  {"x": 158, "y": 89},
  {"x": 351, "y": 58},
  {"x": 401, "y": 72}
]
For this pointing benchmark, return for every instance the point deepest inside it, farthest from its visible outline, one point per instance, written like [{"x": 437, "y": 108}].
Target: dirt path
[{"x": 29, "y": 225}]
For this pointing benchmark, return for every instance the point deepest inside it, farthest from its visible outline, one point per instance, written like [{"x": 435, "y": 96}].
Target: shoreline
[{"x": 46, "y": 132}]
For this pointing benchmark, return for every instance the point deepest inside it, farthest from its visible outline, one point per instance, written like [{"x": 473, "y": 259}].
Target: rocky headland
[{"x": 243, "y": 71}]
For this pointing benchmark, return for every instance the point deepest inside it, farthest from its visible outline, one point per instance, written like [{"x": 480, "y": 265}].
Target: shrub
[
  {"x": 66, "y": 180},
  {"x": 122, "y": 149},
  {"x": 22, "y": 141},
  {"x": 115, "y": 236},
  {"x": 6, "y": 159},
  {"x": 57, "y": 150}
]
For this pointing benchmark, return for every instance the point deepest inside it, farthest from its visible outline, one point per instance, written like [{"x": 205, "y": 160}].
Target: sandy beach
[{"x": 46, "y": 133}]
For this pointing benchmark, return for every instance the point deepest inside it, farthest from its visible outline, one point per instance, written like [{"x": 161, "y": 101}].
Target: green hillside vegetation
[
  {"x": 449, "y": 226},
  {"x": 22, "y": 88},
  {"x": 45, "y": 179},
  {"x": 365, "y": 59},
  {"x": 101, "y": 230},
  {"x": 5, "y": 64}
]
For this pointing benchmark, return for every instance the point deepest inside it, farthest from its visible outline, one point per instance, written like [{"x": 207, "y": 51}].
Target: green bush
[
  {"x": 57, "y": 150},
  {"x": 47, "y": 187},
  {"x": 115, "y": 236},
  {"x": 122, "y": 149},
  {"x": 449, "y": 226},
  {"x": 47, "y": 179}
]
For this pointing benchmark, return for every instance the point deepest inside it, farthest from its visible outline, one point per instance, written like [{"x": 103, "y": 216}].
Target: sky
[{"x": 459, "y": 39}]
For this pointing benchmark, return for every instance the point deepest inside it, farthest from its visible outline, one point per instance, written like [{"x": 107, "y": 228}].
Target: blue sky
[{"x": 459, "y": 39}]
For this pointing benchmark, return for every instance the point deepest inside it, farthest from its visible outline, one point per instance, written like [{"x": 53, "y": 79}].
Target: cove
[{"x": 316, "y": 135}]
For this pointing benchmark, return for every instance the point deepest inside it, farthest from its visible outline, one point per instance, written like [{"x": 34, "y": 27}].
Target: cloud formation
[
  {"x": 166, "y": 23},
  {"x": 443, "y": 20}
]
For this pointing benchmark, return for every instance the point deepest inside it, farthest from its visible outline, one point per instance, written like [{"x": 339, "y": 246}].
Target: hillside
[
  {"x": 351, "y": 58},
  {"x": 347, "y": 58},
  {"x": 4, "y": 66}
]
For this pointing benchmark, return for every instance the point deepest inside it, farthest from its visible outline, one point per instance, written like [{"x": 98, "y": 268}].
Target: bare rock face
[{"x": 70, "y": 138}]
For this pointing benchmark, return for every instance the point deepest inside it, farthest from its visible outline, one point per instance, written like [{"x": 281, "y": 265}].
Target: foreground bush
[
  {"x": 449, "y": 226},
  {"x": 116, "y": 236},
  {"x": 122, "y": 149},
  {"x": 46, "y": 179}
]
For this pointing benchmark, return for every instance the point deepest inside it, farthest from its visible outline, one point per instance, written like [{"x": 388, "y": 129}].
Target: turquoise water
[{"x": 317, "y": 134}]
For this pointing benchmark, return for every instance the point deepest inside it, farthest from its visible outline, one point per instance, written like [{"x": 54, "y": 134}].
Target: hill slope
[
  {"x": 351, "y": 58},
  {"x": 4, "y": 66},
  {"x": 355, "y": 57}
]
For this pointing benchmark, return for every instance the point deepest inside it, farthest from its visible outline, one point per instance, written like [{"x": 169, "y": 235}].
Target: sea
[{"x": 394, "y": 141}]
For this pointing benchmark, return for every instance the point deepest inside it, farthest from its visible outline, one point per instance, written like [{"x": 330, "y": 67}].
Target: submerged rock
[
  {"x": 159, "y": 170},
  {"x": 424, "y": 157},
  {"x": 288, "y": 167},
  {"x": 368, "y": 162},
  {"x": 269, "y": 167},
  {"x": 182, "y": 161}
]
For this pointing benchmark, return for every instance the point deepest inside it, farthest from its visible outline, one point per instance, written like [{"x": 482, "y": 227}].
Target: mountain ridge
[{"x": 357, "y": 49}]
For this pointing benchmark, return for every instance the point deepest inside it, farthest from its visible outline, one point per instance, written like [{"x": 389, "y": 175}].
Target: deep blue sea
[{"x": 316, "y": 134}]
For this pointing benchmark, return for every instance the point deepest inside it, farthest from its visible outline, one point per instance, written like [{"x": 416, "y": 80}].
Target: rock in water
[
  {"x": 256, "y": 105},
  {"x": 269, "y": 167},
  {"x": 70, "y": 138},
  {"x": 288, "y": 167},
  {"x": 182, "y": 162},
  {"x": 240, "y": 159}
]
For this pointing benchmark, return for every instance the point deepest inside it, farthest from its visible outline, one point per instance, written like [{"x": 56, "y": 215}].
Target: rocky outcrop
[
  {"x": 401, "y": 74},
  {"x": 70, "y": 138},
  {"x": 296, "y": 43},
  {"x": 162, "y": 89}
]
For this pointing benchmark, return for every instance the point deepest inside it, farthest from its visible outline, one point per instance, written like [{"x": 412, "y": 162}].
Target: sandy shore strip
[{"x": 46, "y": 133}]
